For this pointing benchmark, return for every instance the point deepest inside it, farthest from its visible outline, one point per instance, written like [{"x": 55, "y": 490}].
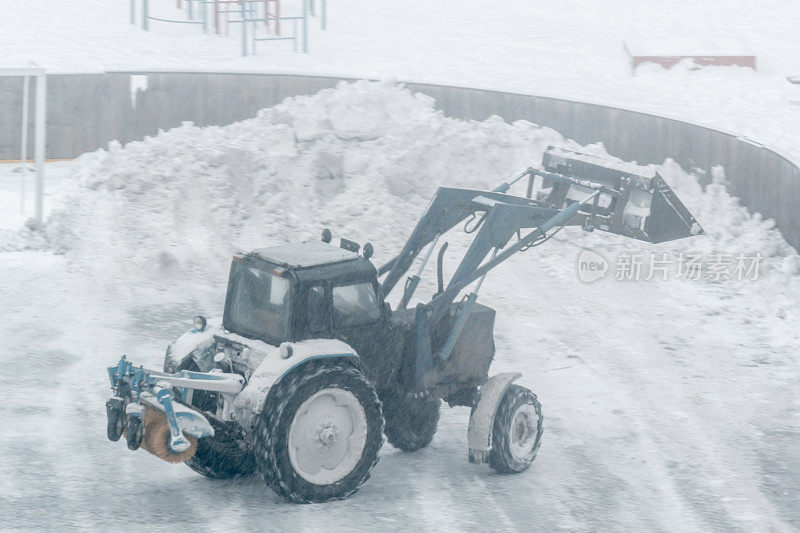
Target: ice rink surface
[{"x": 669, "y": 405}]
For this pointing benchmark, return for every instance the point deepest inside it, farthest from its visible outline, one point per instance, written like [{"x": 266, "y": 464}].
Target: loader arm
[
  {"x": 449, "y": 207},
  {"x": 576, "y": 189},
  {"x": 627, "y": 200}
]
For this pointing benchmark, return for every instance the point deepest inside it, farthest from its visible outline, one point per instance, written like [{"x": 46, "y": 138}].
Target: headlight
[
  {"x": 285, "y": 350},
  {"x": 200, "y": 322}
]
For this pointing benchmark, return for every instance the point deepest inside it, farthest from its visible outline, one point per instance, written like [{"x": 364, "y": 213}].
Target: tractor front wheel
[
  {"x": 410, "y": 423},
  {"x": 220, "y": 456},
  {"x": 320, "y": 432},
  {"x": 516, "y": 432}
]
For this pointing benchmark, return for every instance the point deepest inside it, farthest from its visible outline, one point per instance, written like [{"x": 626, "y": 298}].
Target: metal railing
[
  {"x": 249, "y": 29},
  {"x": 146, "y": 17}
]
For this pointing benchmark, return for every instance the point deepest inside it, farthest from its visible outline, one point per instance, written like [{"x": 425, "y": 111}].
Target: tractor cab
[{"x": 302, "y": 291}]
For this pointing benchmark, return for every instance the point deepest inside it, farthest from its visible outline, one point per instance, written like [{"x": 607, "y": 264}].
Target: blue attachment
[
  {"x": 177, "y": 442},
  {"x": 452, "y": 206},
  {"x": 139, "y": 379},
  {"x": 503, "y": 187},
  {"x": 423, "y": 362},
  {"x": 118, "y": 372},
  {"x": 165, "y": 398},
  {"x": 563, "y": 217},
  {"x": 470, "y": 268},
  {"x": 447, "y": 349},
  {"x": 413, "y": 281},
  {"x": 408, "y": 292}
]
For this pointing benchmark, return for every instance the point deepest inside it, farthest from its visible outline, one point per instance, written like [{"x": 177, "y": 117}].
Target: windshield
[
  {"x": 258, "y": 304},
  {"x": 354, "y": 305}
]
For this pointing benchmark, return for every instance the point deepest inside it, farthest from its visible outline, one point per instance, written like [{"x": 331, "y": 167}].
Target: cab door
[{"x": 358, "y": 317}]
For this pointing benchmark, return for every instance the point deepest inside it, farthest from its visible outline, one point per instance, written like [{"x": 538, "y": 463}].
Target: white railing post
[
  {"x": 244, "y": 28},
  {"x": 146, "y": 15},
  {"x": 305, "y": 27},
  {"x": 26, "y": 84},
  {"x": 40, "y": 142}
]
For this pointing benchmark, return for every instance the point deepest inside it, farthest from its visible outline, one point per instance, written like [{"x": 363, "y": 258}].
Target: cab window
[
  {"x": 354, "y": 305},
  {"x": 317, "y": 318},
  {"x": 259, "y": 303}
]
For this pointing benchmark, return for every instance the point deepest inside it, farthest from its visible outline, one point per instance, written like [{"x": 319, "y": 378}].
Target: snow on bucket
[{"x": 634, "y": 201}]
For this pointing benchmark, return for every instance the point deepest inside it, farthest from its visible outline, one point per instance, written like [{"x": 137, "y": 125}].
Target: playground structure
[{"x": 256, "y": 20}]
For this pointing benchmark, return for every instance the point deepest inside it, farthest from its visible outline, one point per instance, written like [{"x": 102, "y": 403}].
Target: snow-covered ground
[
  {"x": 569, "y": 49},
  {"x": 669, "y": 405},
  {"x": 18, "y": 190}
]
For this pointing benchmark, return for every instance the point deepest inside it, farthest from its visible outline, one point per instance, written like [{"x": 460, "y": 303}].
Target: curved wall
[{"x": 86, "y": 111}]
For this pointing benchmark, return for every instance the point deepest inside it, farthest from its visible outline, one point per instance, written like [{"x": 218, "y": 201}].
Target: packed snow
[{"x": 669, "y": 405}]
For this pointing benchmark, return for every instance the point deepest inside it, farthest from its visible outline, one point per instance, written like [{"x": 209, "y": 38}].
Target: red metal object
[{"x": 671, "y": 61}]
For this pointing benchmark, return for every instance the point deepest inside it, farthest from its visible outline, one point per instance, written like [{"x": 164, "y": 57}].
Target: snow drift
[{"x": 363, "y": 159}]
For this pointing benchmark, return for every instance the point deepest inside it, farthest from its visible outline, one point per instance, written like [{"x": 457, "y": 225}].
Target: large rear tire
[
  {"x": 410, "y": 423},
  {"x": 319, "y": 435},
  {"x": 516, "y": 431}
]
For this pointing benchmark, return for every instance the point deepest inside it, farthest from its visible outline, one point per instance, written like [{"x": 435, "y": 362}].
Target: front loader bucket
[{"x": 634, "y": 201}]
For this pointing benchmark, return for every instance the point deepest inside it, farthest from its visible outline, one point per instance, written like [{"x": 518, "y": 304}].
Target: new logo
[{"x": 591, "y": 266}]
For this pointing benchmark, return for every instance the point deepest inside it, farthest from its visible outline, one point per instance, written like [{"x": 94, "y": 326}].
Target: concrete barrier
[{"x": 86, "y": 111}]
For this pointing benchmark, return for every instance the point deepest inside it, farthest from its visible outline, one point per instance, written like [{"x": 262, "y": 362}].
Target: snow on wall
[{"x": 363, "y": 159}]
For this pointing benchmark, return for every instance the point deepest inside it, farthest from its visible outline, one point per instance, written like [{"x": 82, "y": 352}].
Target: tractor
[{"x": 309, "y": 365}]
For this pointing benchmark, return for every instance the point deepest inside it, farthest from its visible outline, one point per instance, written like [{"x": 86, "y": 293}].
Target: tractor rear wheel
[
  {"x": 320, "y": 432},
  {"x": 410, "y": 423},
  {"x": 516, "y": 431}
]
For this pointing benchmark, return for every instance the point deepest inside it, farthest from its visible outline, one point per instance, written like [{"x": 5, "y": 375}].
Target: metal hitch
[{"x": 144, "y": 407}]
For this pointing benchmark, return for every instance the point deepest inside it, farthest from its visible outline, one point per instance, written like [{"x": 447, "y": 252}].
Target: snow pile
[{"x": 363, "y": 159}]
